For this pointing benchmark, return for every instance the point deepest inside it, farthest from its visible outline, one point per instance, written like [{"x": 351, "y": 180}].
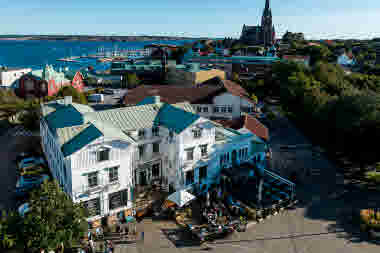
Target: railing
[
  {"x": 148, "y": 157},
  {"x": 290, "y": 184}
]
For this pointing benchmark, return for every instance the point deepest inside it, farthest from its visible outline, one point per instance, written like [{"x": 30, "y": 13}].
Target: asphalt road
[{"x": 109, "y": 100}]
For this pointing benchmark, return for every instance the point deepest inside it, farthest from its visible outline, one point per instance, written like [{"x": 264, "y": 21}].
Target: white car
[{"x": 23, "y": 209}]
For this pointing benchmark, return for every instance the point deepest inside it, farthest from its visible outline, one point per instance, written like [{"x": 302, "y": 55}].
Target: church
[{"x": 260, "y": 35}]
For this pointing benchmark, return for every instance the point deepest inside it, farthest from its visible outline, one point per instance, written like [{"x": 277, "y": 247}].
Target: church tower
[{"x": 266, "y": 25}]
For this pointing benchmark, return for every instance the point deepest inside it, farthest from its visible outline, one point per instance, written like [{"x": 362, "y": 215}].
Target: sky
[{"x": 317, "y": 19}]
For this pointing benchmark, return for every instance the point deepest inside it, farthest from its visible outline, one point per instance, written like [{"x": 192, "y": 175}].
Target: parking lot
[
  {"x": 10, "y": 147},
  {"x": 109, "y": 100}
]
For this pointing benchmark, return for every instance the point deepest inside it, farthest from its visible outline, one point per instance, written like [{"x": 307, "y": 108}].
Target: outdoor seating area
[{"x": 229, "y": 206}]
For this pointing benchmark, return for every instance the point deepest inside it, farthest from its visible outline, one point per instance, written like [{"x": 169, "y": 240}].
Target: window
[
  {"x": 156, "y": 170},
  {"x": 228, "y": 157},
  {"x": 202, "y": 173},
  {"x": 113, "y": 174},
  {"x": 199, "y": 109},
  {"x": 203, "y": 150},
  {"x": 205, "y": 109},
  {"x": 239, "y": 153},
  {"x": 118, "y": 199},
  {"x": 190, "y": 154},
  {"x": 197, "y": 133},
  {"x": 156, "y": 147},
  {"x": 224, "y": 109},
  {"x": 229, "y": 108},
  {"x": 93, "y": 206},
  {"x": 216, "y": 109},
  {"x": 141, "y": 151},
  {"x": 156, "y": 131},
  {"x": 93, "y": 179},
  {"x": 103, "y": 154},
  {"x": 141, "y": 134},
  {"x": 190, "y": 177}
]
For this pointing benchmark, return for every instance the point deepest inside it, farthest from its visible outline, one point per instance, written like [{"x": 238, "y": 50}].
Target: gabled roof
[
  {"x": 170, "y": 94},
  {"x": 248, "y": 122},
  {"x": 75, "y": 127},
  {"x": 84, "y": 137},
  {"x": 174, "y": 94},
  {"x": 174, "y": 118},
  {"x": 236, "y": 90},
  {"x": 146, "y": 116}
]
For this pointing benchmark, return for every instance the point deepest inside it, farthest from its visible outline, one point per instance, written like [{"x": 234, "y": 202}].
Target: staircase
[{"x": 278, "y": 188}]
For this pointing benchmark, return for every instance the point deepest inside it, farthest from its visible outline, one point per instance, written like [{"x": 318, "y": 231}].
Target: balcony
[
  {"x": 85, "y": 190},
  {"x": 149, "y": 157}
]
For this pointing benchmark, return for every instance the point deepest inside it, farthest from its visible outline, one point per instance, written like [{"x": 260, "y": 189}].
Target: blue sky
[{"x": 212, "y": 18}]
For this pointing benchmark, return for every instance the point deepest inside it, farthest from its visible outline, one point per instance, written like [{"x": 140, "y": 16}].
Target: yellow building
[{"x": 192, "y": 74}]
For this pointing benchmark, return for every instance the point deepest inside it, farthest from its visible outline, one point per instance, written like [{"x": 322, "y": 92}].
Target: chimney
[
  {"x": 157, "y": 99},
  {"x": 68, "y": 100}
]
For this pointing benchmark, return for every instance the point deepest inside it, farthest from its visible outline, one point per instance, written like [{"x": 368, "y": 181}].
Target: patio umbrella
[{"x": 181, "y": 198}]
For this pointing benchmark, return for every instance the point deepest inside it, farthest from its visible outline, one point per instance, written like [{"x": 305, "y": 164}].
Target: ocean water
[{"x": 37, "y": 53}]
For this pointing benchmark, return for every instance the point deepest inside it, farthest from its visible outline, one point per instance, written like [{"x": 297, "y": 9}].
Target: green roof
[
  {"x": 136, "y": 117},
  {"x": 84, "y": 137},
  {"x": 174, "y": 118}
]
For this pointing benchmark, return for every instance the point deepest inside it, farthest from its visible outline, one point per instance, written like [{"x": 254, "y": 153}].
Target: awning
[{"x": 181, "y": 198}]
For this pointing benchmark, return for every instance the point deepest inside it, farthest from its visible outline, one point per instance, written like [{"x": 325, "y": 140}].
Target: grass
[{"x": 373, "y": 176}]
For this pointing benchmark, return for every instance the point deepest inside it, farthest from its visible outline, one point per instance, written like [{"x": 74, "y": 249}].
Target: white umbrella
[{"x": 181, "y": 198}]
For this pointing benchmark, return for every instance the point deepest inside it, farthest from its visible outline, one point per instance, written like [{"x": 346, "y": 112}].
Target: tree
[
  {"x": 52, "y": 219},
  {"x": 254, "y": 98},
  {"x": 132, "y": 80},
  {"x": 8, "y": 229},
  {"x": 77, "y": 96}
]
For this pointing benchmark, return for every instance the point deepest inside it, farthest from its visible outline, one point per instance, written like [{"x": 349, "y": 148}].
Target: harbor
[{"x": 109, "y": 56}]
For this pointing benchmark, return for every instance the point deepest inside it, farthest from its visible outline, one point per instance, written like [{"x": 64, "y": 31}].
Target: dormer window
[
  {"x": 156, "y": 131},
  {"x": 197, "y": 133},
  {"x": 103, "y": 154},
  {"x": 141, "y": 134}
]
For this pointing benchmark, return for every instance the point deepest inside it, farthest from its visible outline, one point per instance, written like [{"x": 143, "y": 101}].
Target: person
[
  {"x": 91, "y": 246},
  {"x": 89, "y": 235},
  {"x": 106, "y": 246},
  {"x": 110, "y": 247}
]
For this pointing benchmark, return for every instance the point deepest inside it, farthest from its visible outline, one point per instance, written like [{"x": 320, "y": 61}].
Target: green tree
[
  {"x": 8, "y": 229},
  {"x": 132, "y": 80},
  {"x": 78, "y": 97},
  {"x": 52, "y": 219},
  {"x": 254, "y": 98}
]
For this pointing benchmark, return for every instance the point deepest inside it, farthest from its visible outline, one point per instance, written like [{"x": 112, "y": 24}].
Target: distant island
[{"x": 94, "y": 38}]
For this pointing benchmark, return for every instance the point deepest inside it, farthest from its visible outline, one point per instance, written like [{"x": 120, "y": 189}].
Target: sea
[{"x": 37, "y": 53}]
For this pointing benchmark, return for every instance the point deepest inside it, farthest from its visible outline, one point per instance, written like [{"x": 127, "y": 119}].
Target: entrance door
[
  {"x": 233, "y": 158},
  {"x": 143, "y": 178}
]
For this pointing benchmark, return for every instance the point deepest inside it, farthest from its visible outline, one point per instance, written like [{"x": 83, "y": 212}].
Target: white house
[
  {"x": 224, "y": 100},
  {"x": 100, "y": 157},
  {"x": 9, "y": 77}
]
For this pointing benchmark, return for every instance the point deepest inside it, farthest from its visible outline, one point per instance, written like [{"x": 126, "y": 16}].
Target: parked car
[
  {"x": 26, "y": 183},
  {"x": 96, "y": 98},
  {"x": 30, "y": 162},
  {"x": 108, "y": 92},
  {"x": 23, "y": 209}
]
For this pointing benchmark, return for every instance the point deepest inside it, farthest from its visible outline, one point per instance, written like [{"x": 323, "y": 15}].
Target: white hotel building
[{"x": 100, "y": 157}]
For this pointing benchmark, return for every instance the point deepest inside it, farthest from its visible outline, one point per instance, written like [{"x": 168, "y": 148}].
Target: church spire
[{"x": 267, "y": 4}]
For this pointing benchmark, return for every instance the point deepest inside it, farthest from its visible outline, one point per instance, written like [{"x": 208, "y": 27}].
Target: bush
[
  {"x": 77, "y": 96},
  {"x": 373, "y": 176}
]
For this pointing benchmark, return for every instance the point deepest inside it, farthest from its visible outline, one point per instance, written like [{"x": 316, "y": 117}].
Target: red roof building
[{"x": 247, "y": 122}]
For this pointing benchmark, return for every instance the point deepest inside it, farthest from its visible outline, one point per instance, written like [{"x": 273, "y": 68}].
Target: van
[{"x": 96, "y": 98}]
